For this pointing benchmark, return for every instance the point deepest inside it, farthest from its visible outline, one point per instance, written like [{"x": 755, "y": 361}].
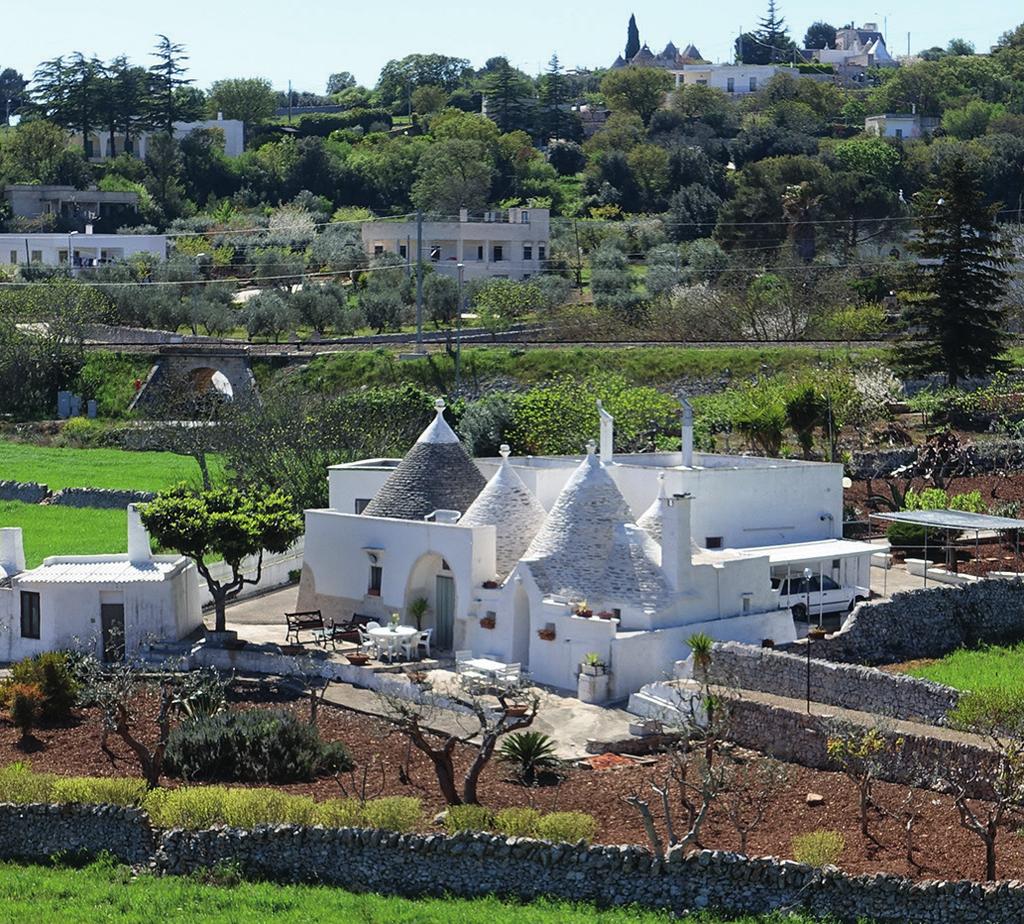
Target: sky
[{"x": 306, "y": 41}]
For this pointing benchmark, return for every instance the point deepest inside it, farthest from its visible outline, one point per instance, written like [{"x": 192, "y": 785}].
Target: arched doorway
[{"x": 432, "y": 579}]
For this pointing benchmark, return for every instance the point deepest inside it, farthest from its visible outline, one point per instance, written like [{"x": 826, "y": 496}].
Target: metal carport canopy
[
  {"x": 951, "y": 519},
  {"x": 818, "y": 550}
]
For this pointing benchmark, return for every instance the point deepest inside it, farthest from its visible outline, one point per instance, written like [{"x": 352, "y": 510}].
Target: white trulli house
[{"x": 506, "y": 551}]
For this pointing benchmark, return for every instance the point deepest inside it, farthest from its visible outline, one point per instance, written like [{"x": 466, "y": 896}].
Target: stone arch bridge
[{"x": 181, "y": 370}]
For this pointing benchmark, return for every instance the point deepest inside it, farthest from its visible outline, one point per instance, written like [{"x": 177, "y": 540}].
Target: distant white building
[
  {"x": 900, "y": 125},
  {"x": 729, "y": 78},
  {"x": 51, "y": 249},
  {"x": 509, "y": 244},
  {"x": 505, "y": 551},
  {"x": 107, "y": 604},
  {"x": 104, "y": 147}
]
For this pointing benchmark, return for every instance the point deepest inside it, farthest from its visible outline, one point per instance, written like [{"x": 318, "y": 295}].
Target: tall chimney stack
[
  {"x": 687, "y": 434},
  {"x": 607, "y": 433},
  {"x": 676, "y": 554},
  {"x": 12, "y": 550},
  {"x": 139, "y": 551}
]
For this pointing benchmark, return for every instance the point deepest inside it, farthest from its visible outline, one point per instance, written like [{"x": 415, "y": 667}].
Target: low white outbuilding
[
  {"x": 107, "y": 604},
  {"x": 506, "y": 551}
]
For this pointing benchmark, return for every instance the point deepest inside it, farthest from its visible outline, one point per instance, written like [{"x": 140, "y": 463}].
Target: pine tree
[
  {"x": 773, "y": 36},
  {"x": 632, "y": 38},
  {"x": 167, "y": 79},
  {"x": 506, "y": 91},
  {"x": 554, "y": 94},
  {"x": 955, "y": 314}
]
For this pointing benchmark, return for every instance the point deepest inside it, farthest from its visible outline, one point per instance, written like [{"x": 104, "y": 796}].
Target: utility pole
[
  {"x": 419, "y": 280},
  {"x": 458, "y": 332},
  {"x": 289, "y": 102}
]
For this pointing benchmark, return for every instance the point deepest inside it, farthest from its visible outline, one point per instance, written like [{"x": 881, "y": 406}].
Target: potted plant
[
  {"x": 605, "y": 614},
  {"x": 358, "y": 658},
  {"x": 417, "y": 677},
  {"x": 816, "y": 632},
  {"x": 516, "y": 710},
  {"x": 418, "y": 609},
  {"x": 582, "y": 610},
  {"x": 490, "y": 585},
  {"x": 767, "y": 643},
  {"x": 487, "y": 622},
  {"x": 592, "y": 665},
  {"x": 394, "y": 621},
  {"x": 546, "y": 634}
]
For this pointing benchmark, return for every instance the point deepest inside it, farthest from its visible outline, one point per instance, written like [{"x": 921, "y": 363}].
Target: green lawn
[
  {"x": 977, "y": 668},
  {"x": 65, "y": 530},
  {"x": 96, "y": 468},
  {"x": 104, "y": 892}
]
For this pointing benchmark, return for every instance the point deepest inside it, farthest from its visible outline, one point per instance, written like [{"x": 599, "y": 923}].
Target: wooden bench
[{"x": 309, "y": 621}]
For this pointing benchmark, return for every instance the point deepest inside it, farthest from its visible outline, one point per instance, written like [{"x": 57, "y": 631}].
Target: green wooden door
[{"x": 444, "y": 611}]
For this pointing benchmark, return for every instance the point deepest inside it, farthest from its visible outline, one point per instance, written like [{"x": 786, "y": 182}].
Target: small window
[
  {"x": 713, "y": 542},
  {"x": 29, "y": 614},
  {"x": 376, "y": 574},
  {"x": 445, "y": 566},
  {"x": 378, "y": 249},
  {"x": 753, "y": 84},
  {"x": 401, "y": 250},
  {"x": 14, "y": 257},
  {"x": 525, "y": 218},
  {"x": 898, "y": 132},
  {"x": 37, "y": 256},
  {"x": 361, "y": 503},
  {"x": 746, "y": 603},
  {"x": 499, "y": 253},
  {"x": 541, "y": 252},
  {"x": 527, "y": 252},
  {"x": 730, "y": 85},
  {"x": 616, "y": 612},
  {"x": 435, "y": 254},
  {"x": 480, "y": 252},
  {"x": 835, "y": 564}
]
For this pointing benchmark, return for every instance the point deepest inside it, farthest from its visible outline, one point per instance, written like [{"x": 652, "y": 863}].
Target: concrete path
[
  {"x": 566, "y": 720},
  {"x": 264, "y": 610}
]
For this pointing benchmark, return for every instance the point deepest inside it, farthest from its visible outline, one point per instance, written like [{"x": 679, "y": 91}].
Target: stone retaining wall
[
  {"x": 799, "y": 738},
  {"x": 867, "y": 689},
  {"x": 27, "y": 492},
  {"x": 103, "y": 498},
  {"x": 997, "y": 456},
  {"x": 926, "y": 624},
  {"x": 37, "y": 832},
  {"x": 469, "y": 865}
]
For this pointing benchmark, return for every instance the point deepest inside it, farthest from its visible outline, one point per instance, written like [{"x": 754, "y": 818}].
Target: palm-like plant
[
  {"x": 529, "y": 752},
  {"x": 419, "y": 608},
  {"x": 700, "y": 645}
]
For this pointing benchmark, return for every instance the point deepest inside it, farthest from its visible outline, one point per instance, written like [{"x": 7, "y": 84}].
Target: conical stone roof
[
  {"x": 653, "y": 518},
  {"x": 508, "y": 505},
  {"x": 436, "y": 474},
  {"x": 589, "y": 547}
]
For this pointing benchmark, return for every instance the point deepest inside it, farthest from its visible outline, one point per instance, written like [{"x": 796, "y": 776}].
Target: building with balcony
[
  {"x": 87, "y": 250},
  {"x": 509, "y": 244}
]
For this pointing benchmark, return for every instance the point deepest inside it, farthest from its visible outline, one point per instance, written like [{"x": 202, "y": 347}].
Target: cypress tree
[
  {"x": 632, "y": 38},
  {"x": 954, "y": 314}
]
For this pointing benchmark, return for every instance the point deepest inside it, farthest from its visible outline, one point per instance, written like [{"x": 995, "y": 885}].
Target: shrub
[
  {"x": 51, "y": 674},
  {"x": 517, "y": 822},
  {"x": 393, "y": 813},
  {"x": 99, "y": 790},
  {"x": 21, "y": 786},
  {"x": 26, "y": 706},
  {"x": 338, "y": 813},
  {"x": 529, "y": 752},
  {"x": 818, "y": 848},
  {"x": 468, "y": 818},
  {"x": 260, "y": 745},
  {"x": 567, "y": 827}
]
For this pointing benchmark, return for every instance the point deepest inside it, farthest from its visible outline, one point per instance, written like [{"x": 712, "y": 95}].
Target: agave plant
[
  {"x": 700, "y": 645},
  {"x": 529, "y": 752}
]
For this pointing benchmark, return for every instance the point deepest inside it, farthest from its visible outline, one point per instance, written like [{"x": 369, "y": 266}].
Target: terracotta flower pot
[
  {"x": 358, "y": 659},
  {"x": 516, "y": 710},
  {"x": 487, "y": 623},
  {"x": 548, "y": 635}
]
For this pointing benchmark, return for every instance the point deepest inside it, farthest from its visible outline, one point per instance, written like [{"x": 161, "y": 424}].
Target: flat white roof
[
  {"x": 114, "y": 569},
  {"x": 818, "y": 550}
]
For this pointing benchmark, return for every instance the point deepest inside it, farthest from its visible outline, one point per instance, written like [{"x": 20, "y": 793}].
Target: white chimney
[
  {"x": 139, "y": 551},
  {"x": 676, "y": 554},
  {"x": 220, "y": 116},
  {"x": 607, "y": 433},
  {"x": 443, "y": 516},
  {"x": 88, "y": 229},
  {"x": 12, "y": 550},
  {"x": 687, "y": 434}
]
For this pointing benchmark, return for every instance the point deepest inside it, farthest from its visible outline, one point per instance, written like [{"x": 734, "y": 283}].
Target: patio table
[
  {"x": 392, "y": 638},
  {"x": 485, "y": 666}
]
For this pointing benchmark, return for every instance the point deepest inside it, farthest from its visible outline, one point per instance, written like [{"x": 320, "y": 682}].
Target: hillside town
[{"x": 592, "y": 494}]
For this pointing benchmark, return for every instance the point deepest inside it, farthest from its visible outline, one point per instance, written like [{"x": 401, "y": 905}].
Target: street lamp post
[
  {"x": 808, "y": 574},
  {"x": 71, "y": 254}
]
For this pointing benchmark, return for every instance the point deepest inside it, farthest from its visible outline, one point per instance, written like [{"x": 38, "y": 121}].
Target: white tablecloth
[{"x": 391, "y": 640}]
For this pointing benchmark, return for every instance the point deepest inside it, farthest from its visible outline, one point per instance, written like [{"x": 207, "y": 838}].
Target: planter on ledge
[
  {"x": 358, "y": 659},
  {"x": 547, "y": 635}
]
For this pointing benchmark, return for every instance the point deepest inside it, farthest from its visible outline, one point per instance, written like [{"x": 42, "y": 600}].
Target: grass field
[
  {"x": 96, "y": 468},
  {"x": 65, "y": 530},
  {"x": 104, "y": 892},
  {"x": 648, "y": 365},
  {"x": 976, "y": 669}
]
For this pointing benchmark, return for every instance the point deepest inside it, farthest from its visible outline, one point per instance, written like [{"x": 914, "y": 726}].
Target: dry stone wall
[
  {"x": 27, "y": 492},
  {"x": 470, "y": 864},
  {"x": 926, "y": 624},
  {"x": 867, "y": 689},
  {"x": 104, "y": 498}
]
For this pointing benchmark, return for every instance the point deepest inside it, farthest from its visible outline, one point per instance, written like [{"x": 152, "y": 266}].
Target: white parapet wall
[{"x": 274, "y": 573}]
